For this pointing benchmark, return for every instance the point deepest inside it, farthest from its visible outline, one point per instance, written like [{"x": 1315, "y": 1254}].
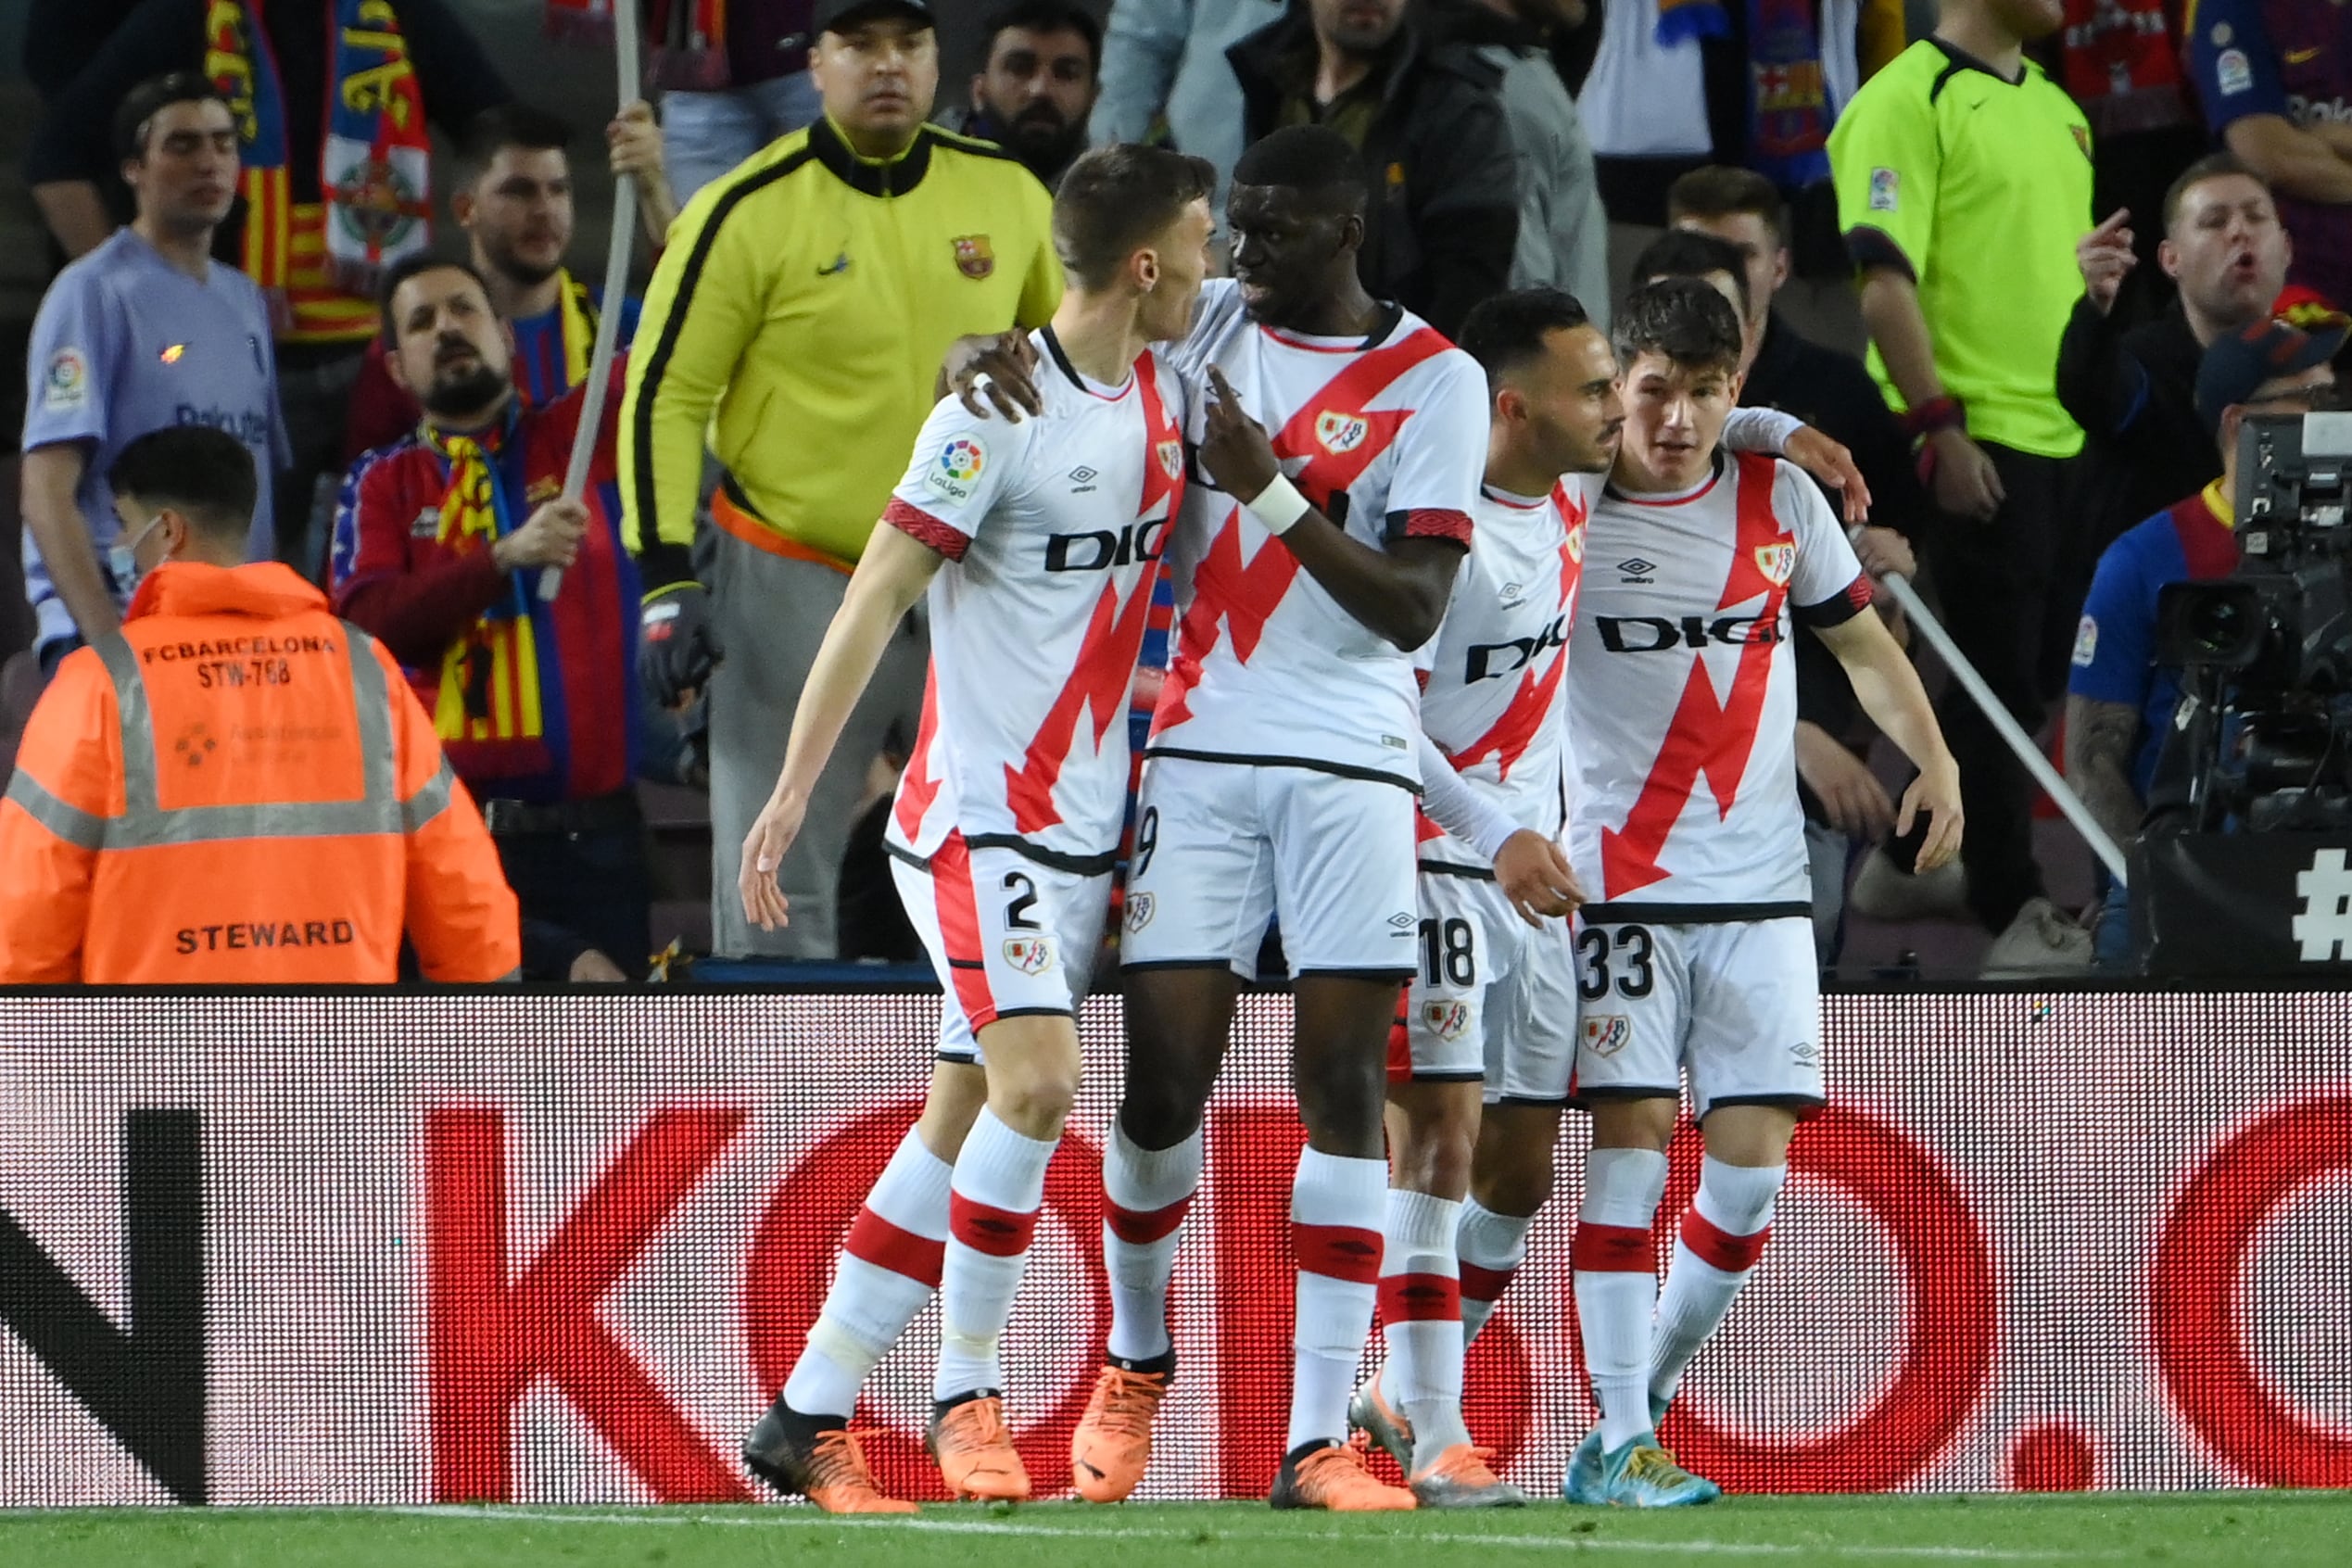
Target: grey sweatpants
[{"x": 769, "y": 617}]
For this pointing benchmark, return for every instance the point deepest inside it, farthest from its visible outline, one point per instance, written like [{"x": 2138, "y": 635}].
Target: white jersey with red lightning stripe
[
  {"x": 1493, "y": 696},
  {"x": 1052, "y": 528},
  {"x": 1682, "y": 702},
  {"x": 1386, "y": 436}
]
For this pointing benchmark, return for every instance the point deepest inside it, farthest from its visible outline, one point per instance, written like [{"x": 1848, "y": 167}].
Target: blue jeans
[{"x": 704, "y": 134}]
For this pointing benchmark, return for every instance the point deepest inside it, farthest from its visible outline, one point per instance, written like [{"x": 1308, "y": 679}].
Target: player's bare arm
[
  {"x": 1889, "y": 690},
  {"x": 1399, "y": 592},
  {"x": 2100, "y": 739},
  {"x": 890, "y": 577},
  {"x": 1531, "y": 871}
]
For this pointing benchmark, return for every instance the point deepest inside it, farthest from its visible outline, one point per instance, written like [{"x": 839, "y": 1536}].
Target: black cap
[
  {"x": 2237, "y": 364},
  {"x": 832, "y": 16}
]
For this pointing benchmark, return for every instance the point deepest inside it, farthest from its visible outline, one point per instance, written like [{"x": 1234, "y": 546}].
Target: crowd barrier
[{"x": 347, "y": 1248}]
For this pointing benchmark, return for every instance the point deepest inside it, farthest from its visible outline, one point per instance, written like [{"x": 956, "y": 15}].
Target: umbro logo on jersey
[
  {"x": 1081, "y": 481},
  {"x": 1636, "y": 570},
  {"x": 1403, "y": 920},
  {"x": 1340, "y": 433},
  {"x": 1776, "y": 561}
]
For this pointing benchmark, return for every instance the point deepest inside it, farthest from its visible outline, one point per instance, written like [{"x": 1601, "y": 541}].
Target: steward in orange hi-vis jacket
[{"x": 239, "y": 788}]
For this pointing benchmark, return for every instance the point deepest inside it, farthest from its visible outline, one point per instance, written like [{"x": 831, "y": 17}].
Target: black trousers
[
  {"x": 2012, "y": 591},
  {"x": 581, "y": 891}
]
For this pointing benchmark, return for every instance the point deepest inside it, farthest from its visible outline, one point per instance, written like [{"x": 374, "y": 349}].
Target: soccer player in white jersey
[
  {"x": 1316, "y": 550},
  {"x": 1043, "y": 537},
  {"x": 1491, "y": 1014},
  {"x": 1695, "y": 952}
]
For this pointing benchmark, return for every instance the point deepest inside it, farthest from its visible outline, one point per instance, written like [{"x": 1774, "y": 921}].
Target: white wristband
[{"x": 1278, "y": 506}]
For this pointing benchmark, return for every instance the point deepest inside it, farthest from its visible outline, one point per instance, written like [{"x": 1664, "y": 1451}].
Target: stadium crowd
[
  {"x": 2036, "y": 327},
  {"x": 367, "y": 602}
]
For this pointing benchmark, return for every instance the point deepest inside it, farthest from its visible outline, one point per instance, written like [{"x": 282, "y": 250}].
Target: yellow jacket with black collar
[{"x": 799, "y": 315}]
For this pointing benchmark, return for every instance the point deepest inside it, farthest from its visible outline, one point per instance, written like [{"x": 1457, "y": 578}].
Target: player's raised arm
[
  {"x": 891, "y": 577},
  {"x": 1399, "y": 592}
]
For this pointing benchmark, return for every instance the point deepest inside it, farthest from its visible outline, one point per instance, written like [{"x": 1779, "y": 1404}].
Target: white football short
[
  {"x": 1009, "y": 936},
  {"x": 1735, "y": 1005},
  {"x": 1493, "y": 1001},
  {"x": 1220, "y": 848}
]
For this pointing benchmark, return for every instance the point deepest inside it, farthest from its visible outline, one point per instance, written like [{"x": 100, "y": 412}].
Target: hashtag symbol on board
[{"x": 2325, "y": 926}]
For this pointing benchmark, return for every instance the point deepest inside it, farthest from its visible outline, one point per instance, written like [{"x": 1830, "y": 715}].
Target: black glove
[{"x": 674, "y": 652}]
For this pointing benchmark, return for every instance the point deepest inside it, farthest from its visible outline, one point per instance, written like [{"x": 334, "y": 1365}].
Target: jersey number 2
[{"x": 1017, "y": 913}]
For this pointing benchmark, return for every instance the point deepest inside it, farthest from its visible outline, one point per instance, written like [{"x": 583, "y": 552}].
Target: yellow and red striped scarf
[{"x": 490, "y": 676}]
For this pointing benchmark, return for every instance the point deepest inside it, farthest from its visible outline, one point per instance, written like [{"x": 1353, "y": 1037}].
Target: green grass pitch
[{"x": 2207, "y": 1530}]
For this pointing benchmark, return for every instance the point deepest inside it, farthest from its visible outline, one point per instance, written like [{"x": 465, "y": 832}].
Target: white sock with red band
[
  {"x": 1722, "y": 1235},
  {"x": 1491, "y": 1246},
  {"x": 1145, "y": 1194},
  {"x": 999, "y": 1188},
  {"x": 889, "y": 1266},
  {"x": 1616, "y": 1275},
  {"x": 1421, "y": 1318},
  {"x": 1335, "y": 1209}
]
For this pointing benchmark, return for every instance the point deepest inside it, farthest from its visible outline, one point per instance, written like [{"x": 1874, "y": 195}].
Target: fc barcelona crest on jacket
[{"x": 973, "y": 259}]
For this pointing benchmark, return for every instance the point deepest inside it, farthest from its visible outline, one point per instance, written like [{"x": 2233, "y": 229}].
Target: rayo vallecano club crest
[
  {"x": 1172, "y": 459},
  {"x": 1445, "y": 1019},
  {"x": 1341, "y": 433},
  {"x": 1606, "y": 1033},
  {"x": 1029, "y": 955},
  {"x": 1576, "y": 544},
  {"x": 1776, "y": 560}
]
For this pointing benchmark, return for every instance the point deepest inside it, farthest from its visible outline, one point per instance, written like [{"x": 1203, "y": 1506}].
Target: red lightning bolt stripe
[{"x": 1707, "y": 736}]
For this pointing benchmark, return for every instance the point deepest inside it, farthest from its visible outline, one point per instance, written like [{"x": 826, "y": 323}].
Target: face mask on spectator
[{"x": 122, "y": 558}]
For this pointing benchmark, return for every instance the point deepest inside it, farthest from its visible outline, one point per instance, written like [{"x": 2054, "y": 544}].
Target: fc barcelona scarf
[
  {"x": 373, "y": 166},
  {"x": 489, "y": 676},
  {"x": 1789, "y": 109}
]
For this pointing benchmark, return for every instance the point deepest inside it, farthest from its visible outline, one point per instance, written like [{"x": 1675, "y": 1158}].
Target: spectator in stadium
[
  {"x": 236, "y": 787},
  {"x": 2133, "y": 389},
  {"x": 2120, "y": 701},
  {"x": 1164, "y": 65},
  {"x": 145, "y": 331},
  {"x": 734, "y": 76},
  {"x": 513, "y": 608},
  {"x": 1441, "y": 226},
  {"x": 513, "y": 197},
  {"x": 2275, "y": 80},
  {"x": 1962, "y": 182},
  {"x": 331, "y": 199},
  {"x": 1845, "y": 805},
  {"x": 1033, "y": 95},
  {"x": 1563, "y": 234},
  {"x": 807, "y": 302}
]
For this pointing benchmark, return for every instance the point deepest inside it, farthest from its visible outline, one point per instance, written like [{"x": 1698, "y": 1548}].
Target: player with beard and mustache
[
  {"x": 1033, "y": 98},
  {"x": 440, "y": 541}
]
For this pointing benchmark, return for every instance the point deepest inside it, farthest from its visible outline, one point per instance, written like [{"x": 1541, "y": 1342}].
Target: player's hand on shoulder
[
  {"x": 995, "y": 372},
  {"x": 1833, "y": 464},
  {"x": 1235, "y": 448},
  {"x": 1936, "y": 792},
  {"x": 772, "y": 833},
  {"x": 1535, "y": 876}
]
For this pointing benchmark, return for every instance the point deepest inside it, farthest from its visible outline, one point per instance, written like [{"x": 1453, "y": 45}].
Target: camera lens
[{"x": 2219, "y": 625}]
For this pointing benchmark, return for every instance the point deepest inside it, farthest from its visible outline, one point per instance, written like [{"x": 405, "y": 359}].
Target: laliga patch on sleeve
[
  {"x": 2086, "y": 642},
  {"x": 1884, "y": 183},
  {"x": 2233, "y": 73},
  {"x": 66, "y": 384},
  {"x": 955, "y": 474}
]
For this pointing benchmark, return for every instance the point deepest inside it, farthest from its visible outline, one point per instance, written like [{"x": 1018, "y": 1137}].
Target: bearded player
[
  {"x": 1008, "y": 816},
  {"x": 1695, "y": 954}
]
